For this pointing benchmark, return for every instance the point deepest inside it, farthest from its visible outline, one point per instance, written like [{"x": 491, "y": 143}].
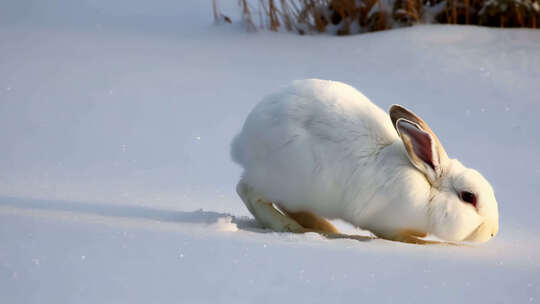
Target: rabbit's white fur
[{"x": 322, "y": 147}]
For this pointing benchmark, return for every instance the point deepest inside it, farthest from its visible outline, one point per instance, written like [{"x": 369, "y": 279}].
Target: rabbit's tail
[{"x": 237, "y": 153}]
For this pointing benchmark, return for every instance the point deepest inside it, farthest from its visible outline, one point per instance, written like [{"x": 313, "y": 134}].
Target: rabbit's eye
[{"x": 468, "y": 197}]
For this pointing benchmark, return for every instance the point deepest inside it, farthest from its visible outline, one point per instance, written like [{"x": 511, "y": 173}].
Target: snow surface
[{"x": 116, "y": 184}]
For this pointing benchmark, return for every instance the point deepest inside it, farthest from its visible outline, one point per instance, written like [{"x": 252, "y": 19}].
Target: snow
[{"x": 116, "y": 184}]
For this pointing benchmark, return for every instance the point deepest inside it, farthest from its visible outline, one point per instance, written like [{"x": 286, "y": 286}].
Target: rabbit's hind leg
[
  {"x": 313, "y": 222},
  {"x": 265, "y": 213}
]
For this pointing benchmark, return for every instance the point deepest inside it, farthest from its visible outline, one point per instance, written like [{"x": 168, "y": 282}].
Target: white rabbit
[{"x": 320, "y": 149}]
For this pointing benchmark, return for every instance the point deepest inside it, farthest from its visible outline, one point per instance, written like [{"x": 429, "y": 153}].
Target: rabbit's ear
[
  {"x": 398, "y": 111},
  {"x": 421, "y": 148}
]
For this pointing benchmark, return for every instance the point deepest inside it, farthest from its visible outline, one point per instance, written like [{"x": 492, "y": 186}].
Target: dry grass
[
  {"x": 218, "y": 16},
  {"x": 344, "y": 17},
  {"x": 494, "y": 13}
]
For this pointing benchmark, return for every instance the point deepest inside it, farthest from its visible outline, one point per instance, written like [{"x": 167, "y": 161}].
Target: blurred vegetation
[{"x": 344, "y": 17}]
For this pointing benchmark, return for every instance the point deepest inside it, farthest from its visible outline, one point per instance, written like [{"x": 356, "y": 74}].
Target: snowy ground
[{"x": 115, "y": 123}]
